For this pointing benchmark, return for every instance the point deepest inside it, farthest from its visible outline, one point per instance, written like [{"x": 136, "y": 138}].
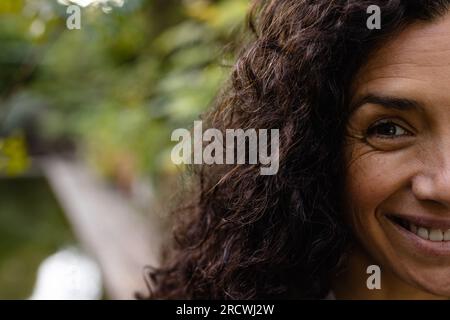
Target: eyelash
[{"x": 371, "y": 130}]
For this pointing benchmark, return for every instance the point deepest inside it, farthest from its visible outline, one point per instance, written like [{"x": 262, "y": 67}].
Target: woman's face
[{"x": 398, "y": 156}]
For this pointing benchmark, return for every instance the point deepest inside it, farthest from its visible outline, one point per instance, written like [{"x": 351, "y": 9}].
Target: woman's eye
[{"x": 386, "y": 129}]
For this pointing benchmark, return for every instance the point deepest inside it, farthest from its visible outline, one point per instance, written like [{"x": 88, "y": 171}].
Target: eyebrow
[{"x": 387, "y": 102}]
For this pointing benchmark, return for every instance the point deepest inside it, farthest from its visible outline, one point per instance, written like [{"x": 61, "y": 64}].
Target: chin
[{"x": 436, "y": 282}]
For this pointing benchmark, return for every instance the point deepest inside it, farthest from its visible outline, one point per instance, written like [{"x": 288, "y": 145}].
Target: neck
[{"x": 352, "y": 282}]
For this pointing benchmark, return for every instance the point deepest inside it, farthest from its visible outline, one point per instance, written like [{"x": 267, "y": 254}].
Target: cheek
[
  {"x": 366, "y": 184},
  {"x": 372, "y": 178}
]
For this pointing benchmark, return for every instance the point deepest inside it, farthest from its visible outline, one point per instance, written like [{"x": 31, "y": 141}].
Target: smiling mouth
[{"x": 422, "y": 228}]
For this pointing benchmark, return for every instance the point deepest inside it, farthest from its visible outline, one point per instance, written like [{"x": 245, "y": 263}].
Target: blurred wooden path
[{"x": 122, "y": 239}]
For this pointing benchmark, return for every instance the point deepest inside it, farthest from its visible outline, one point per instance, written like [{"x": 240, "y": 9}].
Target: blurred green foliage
[
  {"x": 13, "y": 155},
  {"x": 32, "y": 227},
  {"x": 120, "y": 84},
  {"x": 115, "y": 89}
]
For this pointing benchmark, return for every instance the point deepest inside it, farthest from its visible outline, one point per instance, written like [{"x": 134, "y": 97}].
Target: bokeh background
[{"x": 85, "y": 121}]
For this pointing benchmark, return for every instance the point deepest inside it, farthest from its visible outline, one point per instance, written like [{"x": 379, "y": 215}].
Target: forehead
[{"x": 414, "y": 63}]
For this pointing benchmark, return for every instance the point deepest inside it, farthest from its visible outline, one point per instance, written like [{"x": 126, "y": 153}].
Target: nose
[{"x": 433, "y": 183}]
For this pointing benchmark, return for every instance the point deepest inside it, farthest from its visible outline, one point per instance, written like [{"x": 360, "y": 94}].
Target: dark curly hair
[{"x": 242, "y": 235}]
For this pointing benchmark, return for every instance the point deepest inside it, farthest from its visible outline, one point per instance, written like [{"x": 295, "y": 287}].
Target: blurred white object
[
  {"x": 68, "y": 275},
  {"x": 85, "y": 3},
  {"x": 121, "y": 238}
]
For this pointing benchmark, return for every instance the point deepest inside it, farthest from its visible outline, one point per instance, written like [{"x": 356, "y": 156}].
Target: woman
[{"x": 364, "y": 161}]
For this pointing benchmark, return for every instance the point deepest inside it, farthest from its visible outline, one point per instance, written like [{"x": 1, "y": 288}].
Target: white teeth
[
  {"x": 430, "y": 234},
  {"x": 436, "y": 235},
  {"x": 423, "y": 233},
  {"x": 447, "y": 235}
]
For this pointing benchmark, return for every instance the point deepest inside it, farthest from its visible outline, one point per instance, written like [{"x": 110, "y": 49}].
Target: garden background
[{"x": 85, "y": 122}]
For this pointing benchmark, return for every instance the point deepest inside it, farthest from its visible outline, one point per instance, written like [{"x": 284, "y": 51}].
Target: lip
[
  {"x": 427, "y": 222},
  {"x": 416, "y": 244}
]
